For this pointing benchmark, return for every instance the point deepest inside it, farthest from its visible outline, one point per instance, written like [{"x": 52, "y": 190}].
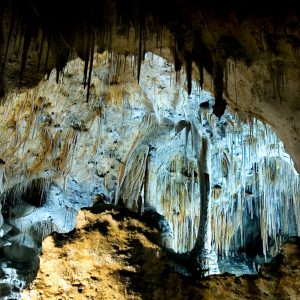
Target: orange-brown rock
[{"x": 113, "y": 255}]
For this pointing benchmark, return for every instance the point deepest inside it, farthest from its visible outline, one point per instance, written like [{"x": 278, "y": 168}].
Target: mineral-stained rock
[{"x": 125, "y": 262}]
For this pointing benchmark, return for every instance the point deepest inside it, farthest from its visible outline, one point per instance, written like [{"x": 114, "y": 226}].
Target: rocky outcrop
[{"x": 113, "y": 254}]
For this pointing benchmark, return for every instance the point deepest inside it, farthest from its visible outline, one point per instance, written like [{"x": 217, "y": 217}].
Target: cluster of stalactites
[
  {"x": 41, "y": 38},
  {"x": 176, "y": 196},
  {"x": 167, "y": 181},
  {"x": 251, "y": 178},
  {"x": 259, "y": 182}
]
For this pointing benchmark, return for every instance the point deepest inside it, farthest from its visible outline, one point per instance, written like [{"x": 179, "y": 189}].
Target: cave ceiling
[{"x": 245, "y": 52}]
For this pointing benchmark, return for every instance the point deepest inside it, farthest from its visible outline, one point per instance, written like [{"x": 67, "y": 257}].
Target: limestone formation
[{"x": 183, "y": 112}]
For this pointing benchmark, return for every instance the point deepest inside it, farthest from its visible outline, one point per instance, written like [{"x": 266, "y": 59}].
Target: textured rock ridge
[{"x": 113, "y": 255}]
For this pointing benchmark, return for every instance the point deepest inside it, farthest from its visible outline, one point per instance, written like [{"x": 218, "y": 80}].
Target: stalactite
[
  {"x": 10, "y": 32},
  {"x": 140, "y": 50},
  {"x": 21, "y": 36},
  {"x": 26, "y": 45},
  {"x": 188, "y": 66},
  {"x": 201, "y": 72},
  {"x": 47, "y": 55},
  {"x": 91, "y": 58},
  {"x": 220, "y": 103},
  {"x": 40, "y": 55},
  {"x": 86, "y": 60},
  {"x": 177, "y": 63},
  {"x": 17, "y": 26}
]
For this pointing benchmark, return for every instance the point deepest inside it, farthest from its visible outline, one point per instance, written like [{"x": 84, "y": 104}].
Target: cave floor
[{"x": 113, "y": 254}]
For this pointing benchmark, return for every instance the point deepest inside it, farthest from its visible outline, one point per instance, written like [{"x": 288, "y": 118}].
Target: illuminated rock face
[{"x": 149, "y": 147}]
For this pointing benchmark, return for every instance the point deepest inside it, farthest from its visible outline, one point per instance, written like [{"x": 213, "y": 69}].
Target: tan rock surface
[{"x": 111, "y": 255}]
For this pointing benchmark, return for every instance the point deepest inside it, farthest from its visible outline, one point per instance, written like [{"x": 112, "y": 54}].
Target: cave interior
[{"x": 179, "y": 114}]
